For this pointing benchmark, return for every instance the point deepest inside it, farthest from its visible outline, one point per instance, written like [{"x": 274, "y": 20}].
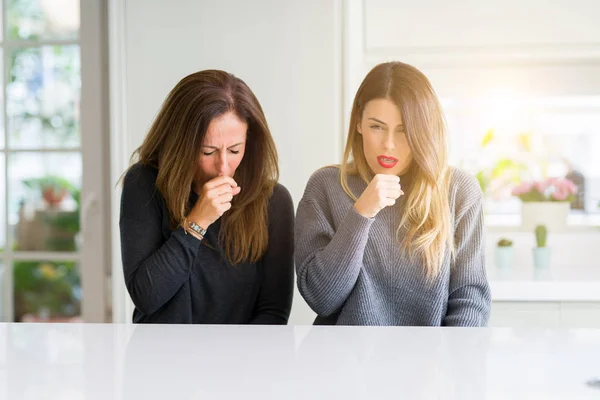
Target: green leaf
[
  {"x": 483, "y": 180},
  {"x": 487, "y": 138}
]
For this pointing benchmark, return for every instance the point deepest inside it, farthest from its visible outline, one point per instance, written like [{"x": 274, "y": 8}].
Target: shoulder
[
  {"x": 140, "y": 176},
  {"x": 281, "y": 196},
  {"x": 281, "y": 208},
  {"x": 139, "y": 185},
  {"x": 465, "y": 181},
  {"x": 322, "y": 180},
  {"x": 465, "y": 191},
  {"x": 325, "y": 175}
]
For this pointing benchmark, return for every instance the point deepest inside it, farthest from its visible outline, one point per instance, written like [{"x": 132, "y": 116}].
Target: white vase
[
  {"x": 552, "y": 214},
  {"x": 541, "y": 257},
  {"x": 504, "y": 257}
]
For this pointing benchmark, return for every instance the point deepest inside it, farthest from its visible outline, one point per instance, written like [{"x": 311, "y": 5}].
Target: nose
[
  {"x": 221, "y": 164},
  {"x": 390, "y": 141}
]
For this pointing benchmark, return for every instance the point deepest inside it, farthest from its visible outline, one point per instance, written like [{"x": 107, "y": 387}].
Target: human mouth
[{"x": 387, "y": 161}]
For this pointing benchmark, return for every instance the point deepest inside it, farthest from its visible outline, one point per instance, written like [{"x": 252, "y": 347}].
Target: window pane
[
  {"x": 43, "y": 97},
  {"x": 507, "y": 141},
  {"x": 42, "y": 19},
  {"x": 44, "y": 192},
  {"x": 46, "y": 291}
]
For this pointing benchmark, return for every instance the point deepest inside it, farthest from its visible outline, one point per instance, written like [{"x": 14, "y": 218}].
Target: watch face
[{"x": 197, "y": 228}]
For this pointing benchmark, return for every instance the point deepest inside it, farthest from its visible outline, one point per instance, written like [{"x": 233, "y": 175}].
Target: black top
[{"x": 172, "y": 277}]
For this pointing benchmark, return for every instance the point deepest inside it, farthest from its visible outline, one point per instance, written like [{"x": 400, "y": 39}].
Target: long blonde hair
[
  {"x": 174, "y": 142},
  {"x": 426, "y": 216}
]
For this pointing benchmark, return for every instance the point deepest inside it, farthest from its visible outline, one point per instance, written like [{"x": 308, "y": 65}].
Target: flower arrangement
[{"x": 550, "y": 189}]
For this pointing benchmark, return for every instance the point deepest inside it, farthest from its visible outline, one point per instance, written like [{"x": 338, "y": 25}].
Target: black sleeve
[
  {"x": 154, "y": 268},
  {"x": 276, "y": 291}
]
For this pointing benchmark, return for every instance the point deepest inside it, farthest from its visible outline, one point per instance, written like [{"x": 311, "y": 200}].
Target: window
[
  {"x": 40, "y": 160},
  {"x": 506, "y": 139}
]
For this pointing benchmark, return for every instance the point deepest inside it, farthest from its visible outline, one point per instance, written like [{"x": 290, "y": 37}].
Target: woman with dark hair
[{"x": 206, "y": 230}]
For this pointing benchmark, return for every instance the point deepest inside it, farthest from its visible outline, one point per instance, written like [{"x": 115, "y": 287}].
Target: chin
[{"x": 378, "y": 169}]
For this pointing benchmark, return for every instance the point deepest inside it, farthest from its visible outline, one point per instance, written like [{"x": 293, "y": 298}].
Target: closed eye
[
  {"x": 234, "y": 151},
  {"x": 208, "y": 154},
  {"x": 376, "y": 127}
]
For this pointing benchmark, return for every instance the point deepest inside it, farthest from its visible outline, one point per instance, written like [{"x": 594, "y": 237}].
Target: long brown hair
[
  {"x": 174, "y": 142},
  {"x": 427, "y": 213}
]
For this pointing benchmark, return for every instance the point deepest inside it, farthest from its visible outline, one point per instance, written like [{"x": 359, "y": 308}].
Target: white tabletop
[{"x": 85, "y": 361}]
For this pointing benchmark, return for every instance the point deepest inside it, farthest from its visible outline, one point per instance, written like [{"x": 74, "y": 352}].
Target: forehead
[
  {"x": 225, "y": 129},
  {"x": 383, "y": 109}
]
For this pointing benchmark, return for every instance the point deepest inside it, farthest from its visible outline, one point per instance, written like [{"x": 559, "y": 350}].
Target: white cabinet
[
  {"x": 551, "y": 314},
  {"x": 525, "y": 314},
  {"x": 580, "y": 315},
  {"x": 466, "y": 26}
]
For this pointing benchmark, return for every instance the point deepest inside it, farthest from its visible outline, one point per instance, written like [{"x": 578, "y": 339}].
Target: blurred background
[{"x": 519, "y": 82}]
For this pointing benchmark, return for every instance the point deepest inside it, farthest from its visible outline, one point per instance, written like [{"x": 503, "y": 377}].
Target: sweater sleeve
[
  {"x": 277, "y": 285},
  {"x": 154, "y": 268},
  {"x": 469, "y": 299},
  {"x": 328, "y": 259}
]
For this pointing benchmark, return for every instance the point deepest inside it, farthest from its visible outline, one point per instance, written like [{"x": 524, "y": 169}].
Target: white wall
[
  {"x": 470, "y": 48},
  {"x": 305, "y": 59},
  {"x": 289, "y": 53}
]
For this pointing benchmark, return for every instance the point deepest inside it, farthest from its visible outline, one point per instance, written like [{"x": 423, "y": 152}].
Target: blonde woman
[
  {"x": 206, "y": 230},
  {"x": 393, "y": 236}
]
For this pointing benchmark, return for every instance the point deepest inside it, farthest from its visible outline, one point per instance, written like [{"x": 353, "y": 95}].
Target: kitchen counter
[{"x": 103, "y": 361}]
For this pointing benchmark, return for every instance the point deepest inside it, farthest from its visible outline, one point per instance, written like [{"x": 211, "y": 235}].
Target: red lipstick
[{"x": 387, "y": 161}]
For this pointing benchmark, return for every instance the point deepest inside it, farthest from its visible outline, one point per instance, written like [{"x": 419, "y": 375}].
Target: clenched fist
[
  {"x": 381, "y": 192},
  {"x": 214, "y": 200}
]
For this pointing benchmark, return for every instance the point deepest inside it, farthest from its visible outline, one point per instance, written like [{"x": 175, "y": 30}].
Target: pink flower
[
  {"x": 541, "y": 186},
  {"x": 522, "y": 188},
  {"x": 559, "y": 195},
  {"x": 557, "y": 189},
  {"x": 565, "y": 186}
]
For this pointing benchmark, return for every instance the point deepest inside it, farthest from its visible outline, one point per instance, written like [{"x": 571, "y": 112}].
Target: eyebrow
[
  {"x": 383, "y": 123},
  {"x": 230, "y": 147}
]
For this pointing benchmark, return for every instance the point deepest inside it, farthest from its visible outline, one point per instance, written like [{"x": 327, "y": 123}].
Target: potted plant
[
  {"x": 504, "y": 255},
  {"x": 46, "y": 291},
  {"x": 545, "y": 202},
  {"x": 53, "y": 189},
  {"x": 541, "y": 253},
  {"x": 54, "y": 226}
]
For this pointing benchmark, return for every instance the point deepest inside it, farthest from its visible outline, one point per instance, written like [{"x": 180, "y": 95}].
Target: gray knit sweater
[{"x": 352, "y": 271}]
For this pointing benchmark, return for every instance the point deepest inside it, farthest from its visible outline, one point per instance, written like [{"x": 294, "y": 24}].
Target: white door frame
[
  {"x": 122, "y": 307},
  {"x": 94, "y": 265}
]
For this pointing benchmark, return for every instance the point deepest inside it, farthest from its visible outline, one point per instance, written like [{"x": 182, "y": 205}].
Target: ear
[{"x": 358, "y": 128}]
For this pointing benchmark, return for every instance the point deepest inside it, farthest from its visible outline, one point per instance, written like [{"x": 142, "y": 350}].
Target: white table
[{"x": 45, "y": 361}]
